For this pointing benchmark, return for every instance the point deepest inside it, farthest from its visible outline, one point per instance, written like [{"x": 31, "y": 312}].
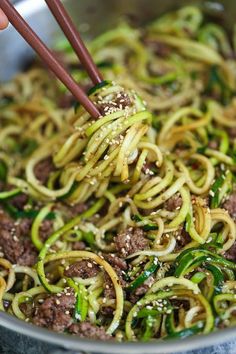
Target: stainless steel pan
[{"x": 20, "y": 337}]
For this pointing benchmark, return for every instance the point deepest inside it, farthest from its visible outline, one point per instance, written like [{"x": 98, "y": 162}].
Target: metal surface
[{"x": 20, "y": 337}]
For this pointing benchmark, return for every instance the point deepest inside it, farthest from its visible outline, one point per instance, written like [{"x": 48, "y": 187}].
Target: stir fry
[{"x": 123, "y": 228}]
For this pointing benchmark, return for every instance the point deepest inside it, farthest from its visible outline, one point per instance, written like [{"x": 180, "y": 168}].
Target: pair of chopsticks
[{"x": 47, "y": 55}]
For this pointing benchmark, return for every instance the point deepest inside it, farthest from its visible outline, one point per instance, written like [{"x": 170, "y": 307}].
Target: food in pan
[{"x": 123, "y": 228}]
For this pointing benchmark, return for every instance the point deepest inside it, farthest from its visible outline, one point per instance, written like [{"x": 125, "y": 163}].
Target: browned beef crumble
[
  {"x": 182, "y": 239},
  {"x": 2, "y": 186},
  {"x": 116, "y": 262},
  {"x": 56, "y": 311},
  {"x": 159, "y": 48},
  {"x": 29, "y": 255},
  {"x": 43, "y": 169},
  {"x": 89, "y": 330},
  {"x": 232, "y": 132},
  {"x": 121, "y": 101},
  {"x": 77, "y": 209},
  {"x": 20, "y": 201},
  {"x": 83, "y": 269},
  {"x": 78, "y": 246},
  {"x": 148, "y": 167},
  {"x": 45, "y": 229},
  {"x": 230, "y": 205},
  {"x": 106, "y": 310},
  {"x": 173, "y": 203},
  {"x": 24, "y": 226},
  {"x": 109, "y": 290},
  {"x": 120, "y": 266},
  {"x": 130, "y": 241},
  {"x": 230, "y": 254},
  {"x": 135, "y": 295},
  {"x": 15, "y": 241}
]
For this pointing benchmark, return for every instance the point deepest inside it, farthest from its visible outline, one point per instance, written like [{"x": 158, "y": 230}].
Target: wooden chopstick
[
  {"x": 48, "y": 57},
  {"x": 73, "y": 36}
]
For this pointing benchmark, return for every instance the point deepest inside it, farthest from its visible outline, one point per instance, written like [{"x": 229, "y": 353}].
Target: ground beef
[
  {"x": 83, "y": 269},
  {"x": 77, "y": 209},
  {"x": 148, "y": 168},
  {"x": 116, "y": 262},
  {"x": 107, "y": 310},
  {"x": 109, "y": 290},
  {"x": 78, "y": 246},
  {"x": 182, "y": 239},
  {"x": 19, "y": 201},
  {"x": 121, "y": 101},
  {"x": 43, "y": 169},
  {"x": 15, "y": 242},
  {"x": 159, "y": 48},
  {"x": 120, "y": 266},
  {"x": 135, "y": 295},
  {"x": 230, "y": 205},
  {"x": 89, "y": 330},
  {"x": 173, "y": 203},
  {"x": 130, "y": 241},
  {"x": 12, "y": 249},
  {"x": 140, "y": 291},
  {"x": 231, "y": 253},
  {"x": 46, "y": 229},
  {"x": 56, "y": 311},
  {"x": 232, "y": 132},
  {"x": 29, "y": 255},
  {"x": 25, "y": 226}
]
